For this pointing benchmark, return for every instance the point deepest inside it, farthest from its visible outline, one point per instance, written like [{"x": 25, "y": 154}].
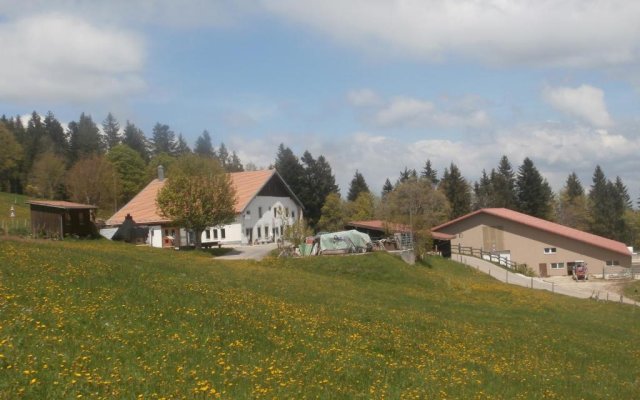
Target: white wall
[{"x": 251, "y": 218}]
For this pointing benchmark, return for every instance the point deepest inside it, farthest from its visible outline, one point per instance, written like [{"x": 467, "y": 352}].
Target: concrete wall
[{"x": 527, "y": 245}]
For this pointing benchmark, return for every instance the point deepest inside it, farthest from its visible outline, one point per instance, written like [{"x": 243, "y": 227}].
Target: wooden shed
[{"x": 57, "y": 219}]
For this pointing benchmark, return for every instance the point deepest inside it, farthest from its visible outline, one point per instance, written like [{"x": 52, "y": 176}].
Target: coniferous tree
[
  {"x": 290, "y": 169},
  {"x": 135, "y": 139},
  {"x": 34, "y": 144},
  {"x": 358, "y": 185},
  {"x": 84, "y": 138},
  {"x": 533, "y": 191},
  {"x": 571, "y": 209},
  {"x": 430, "y": 174},
  {"x": 235, "y": 165},
  {"x": 482, "y": 191},
  {"x": 318, "y": 182},
  {"x": 203, "y": 145},
  {"x": 407, "y": 175},
  {"x": 387, "y": 187},
  {"x": 163, "y": 140},
  {"x": 182, "y": 148},
  {"x": 623, "y": 193},
  {"x": 503, "y": 185},
  {"x": 111, "y": 129},
  {"x": 56, "y": 136},
  {"x": 223, "y": 155},
  {"x": 456, "y": 190},
  {"x": 130, "y": 168},
  {"x": 10, "y": 159}
]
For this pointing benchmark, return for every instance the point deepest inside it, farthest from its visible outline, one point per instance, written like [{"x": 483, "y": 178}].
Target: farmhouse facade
[
  {"x": 549, "y": 249},
  {"x": 264, "y": 205}
]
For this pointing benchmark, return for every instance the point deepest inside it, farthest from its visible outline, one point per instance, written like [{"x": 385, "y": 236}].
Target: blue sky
[{"x": 371, "y": 85}]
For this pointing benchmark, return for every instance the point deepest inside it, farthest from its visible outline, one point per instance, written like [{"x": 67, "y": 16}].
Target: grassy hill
[
  {"x": 107, "y": 320},
  {"x": 21, "y": 222}
]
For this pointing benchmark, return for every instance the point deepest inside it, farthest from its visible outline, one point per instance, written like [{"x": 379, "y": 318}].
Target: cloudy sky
[{"x": 373, "y": 85}]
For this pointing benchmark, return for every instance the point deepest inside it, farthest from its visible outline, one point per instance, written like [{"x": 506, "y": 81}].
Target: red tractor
[{"x": 580, "y": 271}]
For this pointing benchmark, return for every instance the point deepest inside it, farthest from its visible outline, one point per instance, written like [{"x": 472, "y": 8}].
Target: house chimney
[{"x": 160, "y": 173}]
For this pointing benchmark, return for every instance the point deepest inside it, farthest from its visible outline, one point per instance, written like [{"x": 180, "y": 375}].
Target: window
[
  {"x": 557, "y": 265},
  {"x": 215, "y": 233},
  {"x": 293, "y": 214},
  {"x": 611, "y": 263},
  {"x": 207, "y": 234},
  {"x": 286, "y": 211},
  {"x": 223, "y": 234},
  {"x": 549, "y": 250},
  {"x": 259, "y": 212},
  {"x": 274, "y": 231},
  {"x": 275, "y": 212},
  {"x": 266, "y": 231},
  {"x": 81, "y": 218},
  {"x": 259, "y": 232}
]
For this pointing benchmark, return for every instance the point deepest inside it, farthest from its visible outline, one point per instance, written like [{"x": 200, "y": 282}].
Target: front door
[
  {"x": 248, "y": 233},
  {"x": 543, "y": 270}
]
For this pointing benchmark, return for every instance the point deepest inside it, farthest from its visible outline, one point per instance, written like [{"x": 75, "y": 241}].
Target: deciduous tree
[
  {"x": 130, "y": 168},
  {"x": 333, "y": 214},
  {"x": 92, "y": 180},
  {"x": 198, "y": 194},
  {"x": 47, "y": 177}
]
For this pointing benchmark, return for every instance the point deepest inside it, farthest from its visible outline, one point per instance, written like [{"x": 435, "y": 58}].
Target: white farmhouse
[{"x": 264, "y": 205}]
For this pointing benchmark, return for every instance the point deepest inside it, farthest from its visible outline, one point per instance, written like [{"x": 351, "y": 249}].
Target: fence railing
[
  {"x": 618, "y": 272},
  {"x": 485, "y": 255},
  {"x": 8, "y": 224}
]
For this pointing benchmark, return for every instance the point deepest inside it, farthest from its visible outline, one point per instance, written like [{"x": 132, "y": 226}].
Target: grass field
[{"x": 96, "y": 319}]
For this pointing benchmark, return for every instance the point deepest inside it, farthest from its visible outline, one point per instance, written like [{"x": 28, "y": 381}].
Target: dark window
[
  {"x": 215, "y": 233},
  {"x": 266, "y": 231},
  {"x": 222, "y": 234},
  {"x": 293, "y": 214},
  {"x": 259, "y": 232},
  {"x": 81, "y": 218},
  {"x": 207, "y": 234},
  {"x": 259, "y": 212}
]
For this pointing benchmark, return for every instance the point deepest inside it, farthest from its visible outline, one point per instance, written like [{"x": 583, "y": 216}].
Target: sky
[{"x": 373, "y": 85}]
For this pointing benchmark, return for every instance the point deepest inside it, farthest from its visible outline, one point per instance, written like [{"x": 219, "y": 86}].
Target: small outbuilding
[{"x": 57, "y": 219}]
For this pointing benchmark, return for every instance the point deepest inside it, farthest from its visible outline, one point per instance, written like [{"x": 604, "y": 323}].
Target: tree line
[
  {"x": 424, "y": 199},
  {"x": 83, "y": 163}
]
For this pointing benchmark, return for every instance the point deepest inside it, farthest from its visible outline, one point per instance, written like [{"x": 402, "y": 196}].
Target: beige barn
[{"x": 548, "y": 248}]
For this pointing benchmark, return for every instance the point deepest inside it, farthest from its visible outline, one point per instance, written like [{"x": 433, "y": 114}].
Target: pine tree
[
  {"x": 358, "y": 185},
  {"x": 318, "y": 182},
  {"x": 130, "y": 168},
  {"x": 430, "y": 174},
  {"x": 503, "y": 185},
  {"x": 33, "y": 144},
  {"x": 111, "y": 129},
  {"x": 290, "y": 169},
  {"x": 85, "y": 138},
  {"x": 235, "y": 165},
  {"x": 182, "y": 148},
  {"x": 533, "y": 192},
  {"x": 135, "y": 139},
  {"x": 406, "y": 175},
  {"x": 572, "y": 204},
  {"x": 482, "y": 191},
  {"x": 56, "y": 136},
  {"x": 387, "y": 187},
  {"x": 223, "y": 155},
  {"x": 163, "y": 140},
  {"x": 203, "y": 145},
  {"x": 456, "y": 190}
]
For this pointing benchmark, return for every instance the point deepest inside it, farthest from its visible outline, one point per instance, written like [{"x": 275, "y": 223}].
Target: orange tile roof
[
  {"x": 143, "y": 207},
  {"x": 546, "y": 226},
  {"x": 60, "y": 204}
]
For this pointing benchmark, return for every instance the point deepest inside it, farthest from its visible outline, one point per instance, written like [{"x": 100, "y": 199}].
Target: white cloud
[
  {"x": 55, "y": 56},
  {"x": 556, "y": 151},
  {"x": 574, "y": 33},
  {"x": 363, "y": 98},
  {"x": 585, "y": 102},
  {"x": 410, "y": 112}
]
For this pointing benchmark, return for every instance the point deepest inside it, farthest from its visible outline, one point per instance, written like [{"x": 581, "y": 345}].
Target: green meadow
[{"x": 97, "y": 319}]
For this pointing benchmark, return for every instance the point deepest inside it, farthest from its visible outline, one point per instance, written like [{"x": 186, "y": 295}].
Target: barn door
[{"x": 543, "y": 270}]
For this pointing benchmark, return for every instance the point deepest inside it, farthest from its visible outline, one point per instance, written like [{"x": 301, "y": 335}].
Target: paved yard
[{"x": 255, "y": 252}]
